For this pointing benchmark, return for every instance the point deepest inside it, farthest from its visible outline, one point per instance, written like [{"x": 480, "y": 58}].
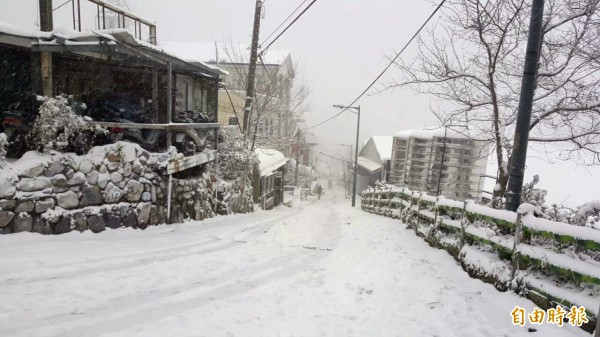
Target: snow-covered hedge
[
  {"x": 3, "y": 145},
  {"x": 511, "y": 250},
  {"x": 234, "y": 172},
  {"x": 57, "y": 125}
]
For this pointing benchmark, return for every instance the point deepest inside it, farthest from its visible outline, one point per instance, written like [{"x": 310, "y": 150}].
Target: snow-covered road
[{"x": 318, "y": 269}]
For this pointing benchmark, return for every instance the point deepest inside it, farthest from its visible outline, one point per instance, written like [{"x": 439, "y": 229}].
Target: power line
[
  {"x": 66, "y": 2},
  {"x": 288, "y": 26},
  {"x": 328, "y": 155},
  {"x": 286, "y": 19},
  {"x": 233, "y": 108},
  {"x": 384, "y": 70}
]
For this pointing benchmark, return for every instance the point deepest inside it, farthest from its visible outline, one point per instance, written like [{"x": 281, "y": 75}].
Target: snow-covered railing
[
  {"x": 511, "y": 250},
  {"x": 180, "y": 164}
]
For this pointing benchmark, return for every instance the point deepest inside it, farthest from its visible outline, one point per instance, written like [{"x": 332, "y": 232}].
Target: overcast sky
[{"x": 340, "y": 45}]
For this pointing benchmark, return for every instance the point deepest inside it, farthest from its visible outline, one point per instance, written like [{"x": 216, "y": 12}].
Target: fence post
[
  {"x": 517, "y": 241},
  {"x": 597, "y": 330},
  {"x": 463, "y": 225},
  {"x": 435, "y": 218},
  {"x": 418, "y": 213}
]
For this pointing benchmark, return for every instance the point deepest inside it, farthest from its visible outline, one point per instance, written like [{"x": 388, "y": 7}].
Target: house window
[
  {"x": 189, "y": 96},
  {"x": 205, "y": 101}
]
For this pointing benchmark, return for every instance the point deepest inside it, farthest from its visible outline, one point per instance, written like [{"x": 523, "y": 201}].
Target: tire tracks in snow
[
  {"x": 86, "y": 267},
  {"x": 174, "y": 300},
  {"x": 150, "y": 304}
]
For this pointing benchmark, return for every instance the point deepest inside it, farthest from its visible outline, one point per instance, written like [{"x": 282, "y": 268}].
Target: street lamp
[
  {"x": 357, "y": 108},
  {"x": 439, "y": 185},
  {"x": 345, "y": 167}
]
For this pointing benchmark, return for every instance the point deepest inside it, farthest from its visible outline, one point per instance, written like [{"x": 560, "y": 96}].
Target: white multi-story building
[{"x": 436, "y": 162}]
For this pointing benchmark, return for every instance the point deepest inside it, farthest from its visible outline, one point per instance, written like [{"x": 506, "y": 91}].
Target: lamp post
[
  {"x": 357, "y": 108},
  {"x": 439, "y": 185},
  {"x": 345, "y": 167}
]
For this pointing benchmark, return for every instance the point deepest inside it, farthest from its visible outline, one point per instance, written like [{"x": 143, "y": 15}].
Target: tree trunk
[{"x": 501, "y": 181}]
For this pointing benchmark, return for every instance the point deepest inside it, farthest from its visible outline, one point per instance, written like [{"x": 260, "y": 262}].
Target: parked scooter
[
  {"x": 17, "y": 121},
  {"x": 147, "y": 138},
  {"x": 118, "y": 109},
  {"x": 190, "y": 141}
]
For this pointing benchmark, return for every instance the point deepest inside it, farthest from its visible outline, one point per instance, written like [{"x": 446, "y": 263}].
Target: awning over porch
[
  {"x": 369, "y": 165},
  {"x": 116, "y": 44},
  {"x": 269, "y": 160}
]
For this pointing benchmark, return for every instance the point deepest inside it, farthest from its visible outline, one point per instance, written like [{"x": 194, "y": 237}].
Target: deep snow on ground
[{"x": 318, "y": 269}]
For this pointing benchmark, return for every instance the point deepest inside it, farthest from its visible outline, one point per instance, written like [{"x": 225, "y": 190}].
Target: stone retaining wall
[{"x": 112, "y": 186}]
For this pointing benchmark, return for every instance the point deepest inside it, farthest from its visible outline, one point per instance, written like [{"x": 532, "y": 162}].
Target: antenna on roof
[{"x": 216, "y": 53}]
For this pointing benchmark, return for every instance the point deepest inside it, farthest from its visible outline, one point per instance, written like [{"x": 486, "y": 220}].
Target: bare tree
[
  {"x": 472, "y": 60},
  {"x": 276, "y": 103}
]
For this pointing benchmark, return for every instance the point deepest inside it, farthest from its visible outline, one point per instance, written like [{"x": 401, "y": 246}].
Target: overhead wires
[
  {"x": 385, "y": 69},
  {"x": 59, "y": 6},
  {"x": 287, "y": 27},
  {"x": 284, "y": 21}
]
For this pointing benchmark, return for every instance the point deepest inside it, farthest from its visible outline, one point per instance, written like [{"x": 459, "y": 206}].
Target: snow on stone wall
[{"x": 115, "y": 185}]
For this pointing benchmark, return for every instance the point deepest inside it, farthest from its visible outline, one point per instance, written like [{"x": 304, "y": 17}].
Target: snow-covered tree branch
[{"x": 472, "y": 60}]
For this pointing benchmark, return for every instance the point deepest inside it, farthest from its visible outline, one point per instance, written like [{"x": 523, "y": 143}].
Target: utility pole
[
  {"x": 252, "y": 67},
  {"x": 297, "y": 159},
  {"x": 519, "y": 155},
  {"x": 356, "y": 158},
  {"x": 345, "y": 167},
  {"x": 46, "y": 25}
]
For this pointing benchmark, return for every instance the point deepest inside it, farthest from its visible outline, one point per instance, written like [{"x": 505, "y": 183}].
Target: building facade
[
  {"x": 431, "y": 161},
  {"x": 374, "y": 161},
  {"x": 275, "y": 117}
]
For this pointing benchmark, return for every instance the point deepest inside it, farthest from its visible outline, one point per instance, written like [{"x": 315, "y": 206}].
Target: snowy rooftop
[
  {"x": 9, "y": 29},
  {"x": 269, "y": 160},
  {"x": 429, "y": 134},
  {"x": 218, "y": 52},
  {"x": 384, "y": 146},
  {"x": 68, "y": 36},
  {"x": 369, "y": 165}
]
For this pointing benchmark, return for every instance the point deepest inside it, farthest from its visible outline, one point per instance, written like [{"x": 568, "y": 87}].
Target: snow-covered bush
[
  {"x": 235, "y": 157},
  {"x": 57, "y": 124},
  {"x": 235, "y": 172},
  {"x": 587, "y": 214},
  {"x": 3, "y": 144},
  {"x": 532, "y": 195}
]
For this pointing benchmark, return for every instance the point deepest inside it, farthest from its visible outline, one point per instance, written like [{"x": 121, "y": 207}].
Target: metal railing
[{"x": 102, "y": 7}]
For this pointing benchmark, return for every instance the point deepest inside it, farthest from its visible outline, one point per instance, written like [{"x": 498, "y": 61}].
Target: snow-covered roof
[
  {"x": 384, "y": 146},
  {"x": 7, "y": 28},
  {"x": 114, "y": 36},
  {"x": 429, "y": 134},
  {"x": 269, "y": 160},
  {"x": 220, "y": 53},
  {"x": 369, "y": 165}
]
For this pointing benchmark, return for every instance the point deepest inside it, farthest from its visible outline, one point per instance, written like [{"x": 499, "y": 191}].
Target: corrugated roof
[
  {"x": 115, "y": 36},
  {"x": 369, "y": 165}
]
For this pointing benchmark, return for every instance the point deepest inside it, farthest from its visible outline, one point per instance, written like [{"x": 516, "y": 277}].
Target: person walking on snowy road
[{"x": 319, "y": 191}]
